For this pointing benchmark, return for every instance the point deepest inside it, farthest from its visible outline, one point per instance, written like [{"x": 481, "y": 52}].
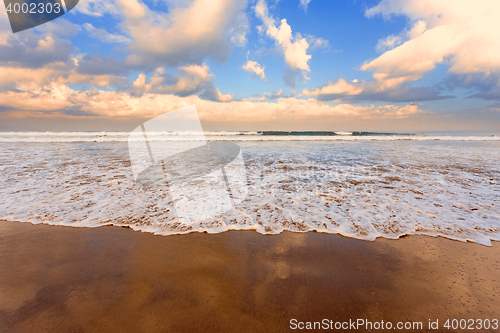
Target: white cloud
[
  {"x": 339, "y": 87},
  {"x": 238, "y": 33},
  {"x": 392, "y": 41},
  {"x": 355, "y": 91},
  {"x": 32, "y": 50},
  {"x": 317, "y": 43},
  {"x": 27, "y": 79},
  {"x": 256, "y": 69},
  {"x": 60, "y": 28},
  {"x": 185, "y": 35},
  {"x": 13, "y": 78},
  {"x": 105, "y": 36},
  {"x": 59, "y": 98},
  {"x": 464, "y": 34},
  {"x": 293, "y": 48},
  {"x": 220, "y": 97},
  {"x": 304, "y": 4},
  {"x": 191, "y": 80},
  {"x": 96, "y": 7},
  {"x": 266, "y": 96},
  {"x": 48, "y": 98}
]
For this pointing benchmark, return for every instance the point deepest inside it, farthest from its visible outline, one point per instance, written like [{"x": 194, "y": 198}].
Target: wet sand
[{"x": 112, "y": 279}]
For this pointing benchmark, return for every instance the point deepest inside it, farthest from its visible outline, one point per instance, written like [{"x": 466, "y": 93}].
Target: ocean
[{"x": 357, "y": 184}]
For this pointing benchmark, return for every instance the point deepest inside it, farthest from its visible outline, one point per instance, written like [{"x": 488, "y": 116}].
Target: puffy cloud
[
  {"x": 185, "y": 35},
  {"x": 341, "y": 87},
  {"x": 463, "y": 34},
  {"x": 12, "y": 78},
  {"x": 60, "y": 98},
  {"x": 39, "y": 58},
  {"x": 216, "y": 95},
  {"x": 105, "y": 36},
  {"x": 103, "y": 80},
  {"x": 91, "y": 73},
  {"x": 26, "y": 71},
  {"x": 256, "y": 69},
  {"x": 392, "y": 41},
  {"x": 294, "y": 109},
  {"x": 369, "y": 91},
  {"x": 410, "y": 61},
  {"x": 49, "y": 98},
  {"x": 266, "y": 96},
  {"x": 30, "y": 50},
  {"x": 294, "y": 48},
  {"x": 190, "y": 80}
]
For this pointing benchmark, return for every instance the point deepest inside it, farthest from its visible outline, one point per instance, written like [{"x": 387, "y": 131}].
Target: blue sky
[{"x": 394, "y": 65}]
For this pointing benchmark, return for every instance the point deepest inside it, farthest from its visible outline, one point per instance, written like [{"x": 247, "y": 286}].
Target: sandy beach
[{"x": 112, "y": 279}]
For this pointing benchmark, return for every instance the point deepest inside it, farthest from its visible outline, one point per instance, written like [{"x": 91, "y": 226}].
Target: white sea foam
[
  {"x": 362, "y": 189},
  {"x": 227, "y": 136}
]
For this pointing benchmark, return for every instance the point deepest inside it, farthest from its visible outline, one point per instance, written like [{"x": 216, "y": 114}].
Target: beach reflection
[{"x": 113, "y": 279}]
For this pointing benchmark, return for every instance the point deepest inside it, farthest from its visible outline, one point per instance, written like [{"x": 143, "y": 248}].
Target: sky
[{"x": 340, "y": 65}]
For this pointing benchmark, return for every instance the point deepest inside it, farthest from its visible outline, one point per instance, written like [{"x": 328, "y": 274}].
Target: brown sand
[{"x": 111, "y": 279}]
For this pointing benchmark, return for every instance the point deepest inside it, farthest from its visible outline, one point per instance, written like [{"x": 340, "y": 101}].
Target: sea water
[{"x": 361, "y": 185}]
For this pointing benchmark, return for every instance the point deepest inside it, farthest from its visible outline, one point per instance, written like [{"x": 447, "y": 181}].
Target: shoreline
[
  {"x": 255, "y": 230},
  {"x": 109, "y": 279}
]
